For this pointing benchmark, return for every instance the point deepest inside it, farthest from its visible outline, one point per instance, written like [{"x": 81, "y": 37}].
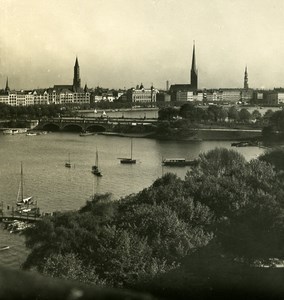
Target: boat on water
[
  {"x": 13, "y": 131},
  {"x": 179, "y": 162},
  {"x": 25, "y": 205},
  {"x": 68, "y": 163},
  {"x": 21, "y": 201},
  {"x": 86, "y": 133},
  {"x": 128, "y": 160},
  {"x": 4, "y": 248},
  {"x": 95, "y": 168},
  {"x": 31, "y": 134},
  {"x": 245, "y": 144}
]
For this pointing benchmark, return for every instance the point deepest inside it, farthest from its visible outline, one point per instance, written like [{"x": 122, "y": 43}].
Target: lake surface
[{"x": 56, "y": 187}]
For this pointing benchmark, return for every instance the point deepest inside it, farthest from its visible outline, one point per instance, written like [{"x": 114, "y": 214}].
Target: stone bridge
[{"x": 93, "y": 124}]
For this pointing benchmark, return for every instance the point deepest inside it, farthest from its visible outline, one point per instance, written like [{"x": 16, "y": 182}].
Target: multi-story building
[
  {"x": 231, "y": 96},
  {"x": 275, "y": 97},
  {"x": 40, "y": 97},
  {"x": 59, "y": 94},
  {"x": 212, "y": 96},
  {"x": 142, "y": 95},
  {"x": 64, "y": 94}
]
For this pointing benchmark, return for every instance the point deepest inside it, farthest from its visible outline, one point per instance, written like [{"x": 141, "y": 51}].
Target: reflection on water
[{"x": 56, "y": 187}]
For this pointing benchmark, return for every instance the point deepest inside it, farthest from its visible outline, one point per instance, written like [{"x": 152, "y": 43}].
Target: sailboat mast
[
  {"x": 22, "y": 184},
  {"x": 131, "y": 150},
  {"x": 97, "y": 158}
]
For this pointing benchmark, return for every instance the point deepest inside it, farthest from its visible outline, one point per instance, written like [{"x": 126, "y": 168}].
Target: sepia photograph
[{"x": 141, "y": 149}]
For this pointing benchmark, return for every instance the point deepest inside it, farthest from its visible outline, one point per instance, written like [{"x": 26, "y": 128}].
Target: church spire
[
  {"x": 7, "y": 89},
  {"x": 246, "y": 86},
  {"x": 193, "y": 72},
  {"x": 76, "y": 78}
]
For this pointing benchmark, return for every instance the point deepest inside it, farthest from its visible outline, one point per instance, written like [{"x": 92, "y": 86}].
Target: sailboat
[
  {"x": 68, "y": 163},
  {"x": 21, "y": 201},
  {"x": 128, "y": 160},
  {"x": 95, "y": 168}
]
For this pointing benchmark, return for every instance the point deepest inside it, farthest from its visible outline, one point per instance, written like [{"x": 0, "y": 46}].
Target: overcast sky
[{"x": 121, "y": 43}]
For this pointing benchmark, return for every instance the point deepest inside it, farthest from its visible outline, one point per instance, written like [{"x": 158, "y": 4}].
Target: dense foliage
[{"x": 224, "y": 200}]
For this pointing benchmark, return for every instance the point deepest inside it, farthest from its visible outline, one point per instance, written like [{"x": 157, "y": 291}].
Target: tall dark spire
[
  {"x": 246, "y": 86},
  {"x": 193, "y": 72},
  {"x": 7, "y": 89},
  {"x": 76, "y": 78}
]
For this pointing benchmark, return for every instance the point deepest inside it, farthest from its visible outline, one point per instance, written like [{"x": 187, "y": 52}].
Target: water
[{"x": 56, "y": 187}]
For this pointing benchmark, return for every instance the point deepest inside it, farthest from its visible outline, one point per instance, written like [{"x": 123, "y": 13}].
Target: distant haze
[{"x": 121, "y": 43}]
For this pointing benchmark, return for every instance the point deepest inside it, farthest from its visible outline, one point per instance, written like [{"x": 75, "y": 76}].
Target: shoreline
[{"x": 199, "y": 135}]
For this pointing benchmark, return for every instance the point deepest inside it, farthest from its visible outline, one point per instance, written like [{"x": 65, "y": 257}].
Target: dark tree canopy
[{"x": 223, "y": 200}]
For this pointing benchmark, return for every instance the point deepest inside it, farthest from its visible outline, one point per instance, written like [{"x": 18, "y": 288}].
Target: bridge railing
[{"x": 100, "y": 120}]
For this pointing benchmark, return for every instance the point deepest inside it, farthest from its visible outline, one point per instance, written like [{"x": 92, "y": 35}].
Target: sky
[{"x": 122, "y": 43}]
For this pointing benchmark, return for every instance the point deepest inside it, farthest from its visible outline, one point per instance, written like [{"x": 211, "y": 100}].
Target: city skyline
[{"x": 123, "y": 43}]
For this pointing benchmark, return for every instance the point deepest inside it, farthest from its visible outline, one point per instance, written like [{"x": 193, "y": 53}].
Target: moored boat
[
  {"x": 95, "y": 168},
  {"x": 4, "y": 248},
  {"x": 86, "y": 133},
  {"x": 68, "y": 163},
  {"x": 128, "y": 160},
  {"x": 178, "y": 162},
  {"x": 31, "y": 134}
]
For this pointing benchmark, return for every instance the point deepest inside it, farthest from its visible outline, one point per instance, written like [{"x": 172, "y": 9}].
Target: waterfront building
[
  {"x": 183, "y": 91},
  {"x": 212, "y": 95},
  {"x": 59, "y": 94},
  {"x": 163, "y": 97},
  {"x": 142, "y": 95},
  {"x": 275, "y": 97},
  {"x": 67, "y": 94},
  {"x": 231, "y": 95},
  {"x": 40, "y": 97}
]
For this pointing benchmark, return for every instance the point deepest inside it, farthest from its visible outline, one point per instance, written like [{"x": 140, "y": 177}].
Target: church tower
[
  {"x": 76, "y": 78},
  {"x": 246, "y": 86},
  {"x": 7, "y": 89},
  {"x": 193, "y": 72}
]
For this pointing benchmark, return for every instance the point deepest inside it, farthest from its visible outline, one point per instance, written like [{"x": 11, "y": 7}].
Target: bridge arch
[
  {"x": 96, "y": 128},
  {"x": 51, "y": 127},
  {"x": 73, "y": 128}
]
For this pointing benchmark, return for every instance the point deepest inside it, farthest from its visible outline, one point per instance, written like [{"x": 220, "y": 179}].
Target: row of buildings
[
  {"x": 59, "y": 94},
  {"x": 75, "y": 94}
]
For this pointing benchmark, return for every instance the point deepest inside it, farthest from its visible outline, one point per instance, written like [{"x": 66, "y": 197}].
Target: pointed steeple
[
  {"x": 86, "y": 88},
  {"x": 76, "y": 62},
  {"x": 193, "y": 72},
  {"x": 7, "y": 89},
  {"x": 246, "y": 86},
  {"x": 193, "y": 64},
  {"x": 76, "y": 78}
]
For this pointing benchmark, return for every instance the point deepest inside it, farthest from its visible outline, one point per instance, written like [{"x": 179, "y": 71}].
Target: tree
[
  {"x": 167, "y": 113},
  {"x": 70, "y": 267},
  {"x": 256, "y": 115},
  {"x": 275, "y": 157},
  {"x": 267, "y": 115},
  {"x": 233, "y": 114},
  {"x": 245, "y": 115},
  {"x": 277, "y": 119},
  {"x": 187, "y": 111},
  {"x": 246, "y": 198}
]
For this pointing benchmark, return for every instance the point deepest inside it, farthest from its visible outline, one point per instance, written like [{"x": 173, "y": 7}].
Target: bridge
[{"x": 94, "y": 124}]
